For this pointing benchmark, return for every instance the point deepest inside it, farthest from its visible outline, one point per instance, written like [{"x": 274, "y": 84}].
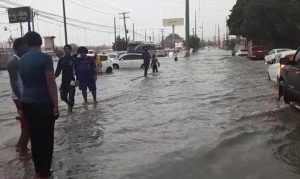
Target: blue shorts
[{"x": 91, "y": 84}]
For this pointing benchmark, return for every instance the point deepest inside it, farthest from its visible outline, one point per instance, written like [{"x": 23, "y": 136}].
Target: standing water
[{"x": 210, "y": 116}]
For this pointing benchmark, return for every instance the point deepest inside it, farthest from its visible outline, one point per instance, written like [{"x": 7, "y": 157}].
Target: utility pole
[
  {"x": 199, "y": 15},
  {"x": 215, "y": 37},
  {"x": 195, "y": 23},
  {"x": 219, "y": 40},
  {"x": 65, "y": 22},
  {"x": 173, "y": 36},
  {"x": 145, "y": 35},
  {"x": 162, "y": 37},
  {"x": 187, "y": 27},
  {"x": 133, "y": 34},
  {"x": 115, "y": 29},
  {"x": 202, "y": 31},
  {"x": 21, "y": 29},
  {"x": 124, "y": 18},
  {"x": 29, "y": 19},
  {"x": 32, "y": 19}
]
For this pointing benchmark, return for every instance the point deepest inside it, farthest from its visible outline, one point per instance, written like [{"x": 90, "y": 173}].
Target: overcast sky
[{"x": 146, "y": 14}]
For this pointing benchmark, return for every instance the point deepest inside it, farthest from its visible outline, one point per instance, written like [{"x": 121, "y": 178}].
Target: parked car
[
  {"x": 275, "y": 67},
  {"x": 130, "y": 60},
  {"x": 289, "y": 81},
  {"x": 161, "y": 53},
  {"x": 242, "y": 53},
  {"x": 273, "y": 53},
  {"x": 257, "y": 52},
  {"x": 107, "y": 65}
]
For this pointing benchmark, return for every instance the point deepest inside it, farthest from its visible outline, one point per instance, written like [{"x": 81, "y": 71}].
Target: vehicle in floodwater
[{"x": 289, "y": 81}]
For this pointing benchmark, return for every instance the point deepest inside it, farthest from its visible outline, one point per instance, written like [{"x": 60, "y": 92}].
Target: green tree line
[{"x": 275, "y": 23}]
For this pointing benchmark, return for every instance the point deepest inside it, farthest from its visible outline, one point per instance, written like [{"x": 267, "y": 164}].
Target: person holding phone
[
  {"x": 39, "y": 102},
  {"x": 65, "y": 66}
]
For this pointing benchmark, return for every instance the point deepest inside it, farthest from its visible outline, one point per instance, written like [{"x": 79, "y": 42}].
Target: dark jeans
[
  {"x": 41, "y": 129},
  {"x": 67, "y": 94},
  {"x": 146, "y": 68},
  {"x": 154, "y": 68}
]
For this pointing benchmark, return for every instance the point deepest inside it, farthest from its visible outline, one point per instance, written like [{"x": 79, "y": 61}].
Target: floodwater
[{"x": 210, "y": 116}]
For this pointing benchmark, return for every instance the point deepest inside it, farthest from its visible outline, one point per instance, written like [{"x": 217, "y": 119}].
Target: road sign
[
  {"x": 20, "y": 14},
  {"x": 173, "y": 22}
]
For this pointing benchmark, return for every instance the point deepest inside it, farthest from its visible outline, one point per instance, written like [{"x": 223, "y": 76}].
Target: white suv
[
  {"x": 130, "y": 60},
  {"x": 107, "y": 65},
  {"x": 273, "y": 53}
]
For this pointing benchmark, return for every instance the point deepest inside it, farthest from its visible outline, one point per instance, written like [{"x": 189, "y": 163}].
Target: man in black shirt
[
  {"x": 67, "y": 88},
  {"x": 146, "y": 56}
]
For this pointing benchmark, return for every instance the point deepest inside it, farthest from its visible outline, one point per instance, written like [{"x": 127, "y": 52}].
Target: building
[{"x": 168, "y": 42}]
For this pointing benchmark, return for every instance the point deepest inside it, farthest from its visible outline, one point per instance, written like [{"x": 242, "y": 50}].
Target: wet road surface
[{"x": 210, "y": 116}]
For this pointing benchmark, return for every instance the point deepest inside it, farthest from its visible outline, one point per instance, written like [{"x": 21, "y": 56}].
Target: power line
[
  {"x": 72, "y": 24},
  {"x": 55, "y": 15},
  {"x": 89, "y": 7}
]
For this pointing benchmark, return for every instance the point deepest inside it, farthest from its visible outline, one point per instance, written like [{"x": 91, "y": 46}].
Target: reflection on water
[{"x": 208, "y": 116}]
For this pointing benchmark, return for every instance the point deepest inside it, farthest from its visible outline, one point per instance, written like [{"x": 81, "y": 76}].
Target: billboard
[
  {"x": 20, "y": 14},
  {"x": 173, "y": 22}
]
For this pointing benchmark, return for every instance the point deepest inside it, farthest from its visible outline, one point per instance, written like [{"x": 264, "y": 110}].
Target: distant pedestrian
[
  {"x": 98, "y": 63},
  {"x": 66, "y": 67},
  {"x": 19, "y": 47},
  {"x": 175, "y": 55},
  {"x": 155, "y": 64},
  {"x": 86, "y": 73},
  {"x": 39, "y": 102},
  {"x": 146, "y": 56}
]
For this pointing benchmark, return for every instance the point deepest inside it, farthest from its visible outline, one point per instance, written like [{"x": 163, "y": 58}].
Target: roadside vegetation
[{"x": 275, "y": 23}]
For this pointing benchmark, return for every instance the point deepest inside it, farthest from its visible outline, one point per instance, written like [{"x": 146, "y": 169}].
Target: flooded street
[{"x": 210, "y": 116}]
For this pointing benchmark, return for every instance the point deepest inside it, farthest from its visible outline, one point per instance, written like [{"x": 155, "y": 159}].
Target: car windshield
[
  {"x": 103, "y": 58},
  {"x": 112, "y": 56}
]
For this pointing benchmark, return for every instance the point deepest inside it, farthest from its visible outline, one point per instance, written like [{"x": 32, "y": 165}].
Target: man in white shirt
[{"x": 19, "y": 47}]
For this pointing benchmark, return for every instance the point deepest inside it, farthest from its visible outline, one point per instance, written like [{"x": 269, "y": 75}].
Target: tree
[
  {"x": 271, "y": 22},
  {"x": 195, "y": 43},
  {"x": 120, "y": 44}
]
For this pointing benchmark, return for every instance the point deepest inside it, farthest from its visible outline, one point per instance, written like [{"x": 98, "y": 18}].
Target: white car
[
  {"x": 274, "y": 68},
  {"x": 107, "y": 65},
  {"x": 242, "y": 53},
  {"x": 130, "y": 60},
  {"x": 273, "y": 53}
]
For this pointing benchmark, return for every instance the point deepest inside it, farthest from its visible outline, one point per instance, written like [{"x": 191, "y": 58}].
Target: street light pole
[
  {"x": 65, "y": 22},
  {"x": 187, "y": 28}
]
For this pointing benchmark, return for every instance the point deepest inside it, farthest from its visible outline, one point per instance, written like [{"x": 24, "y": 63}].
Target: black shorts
[{"x": 91, "y": 84}]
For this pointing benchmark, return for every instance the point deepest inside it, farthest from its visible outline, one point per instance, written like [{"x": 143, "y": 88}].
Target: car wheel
[
  {"x": 282, "y": 93},
  {"x": 109, "y": 70},
  {"x": 115, "y": 66}
]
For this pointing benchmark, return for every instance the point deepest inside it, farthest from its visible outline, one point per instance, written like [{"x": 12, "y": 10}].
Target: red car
[{"x": 257, "y": 52}]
